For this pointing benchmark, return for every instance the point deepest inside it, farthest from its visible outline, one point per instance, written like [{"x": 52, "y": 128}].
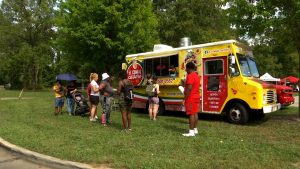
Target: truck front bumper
[{"x": 271, "y": 108}]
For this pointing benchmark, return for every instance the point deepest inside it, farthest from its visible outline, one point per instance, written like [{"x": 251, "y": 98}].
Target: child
[{"x": 59, "y": 93}]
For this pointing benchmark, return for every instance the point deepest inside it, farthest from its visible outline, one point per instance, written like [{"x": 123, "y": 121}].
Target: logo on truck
[{"x": 135, "y": 73}]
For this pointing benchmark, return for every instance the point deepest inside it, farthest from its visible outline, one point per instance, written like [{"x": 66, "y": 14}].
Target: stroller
[{"x": 81, "y": 104}]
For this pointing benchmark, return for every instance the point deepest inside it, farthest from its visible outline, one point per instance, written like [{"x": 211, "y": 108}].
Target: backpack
[
  {"x": 150, "y": 90},
  {"x": 128, "y": 87}
]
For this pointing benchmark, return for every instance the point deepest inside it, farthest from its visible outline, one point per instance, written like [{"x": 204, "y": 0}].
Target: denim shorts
[{"x": 59, "y": 102}]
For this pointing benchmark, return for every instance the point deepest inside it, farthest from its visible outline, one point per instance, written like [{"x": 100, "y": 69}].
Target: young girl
[{"x": 154, "y": 100}]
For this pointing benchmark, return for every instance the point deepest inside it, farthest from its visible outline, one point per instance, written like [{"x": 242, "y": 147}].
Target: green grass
[{"x": 270, "y": 143}]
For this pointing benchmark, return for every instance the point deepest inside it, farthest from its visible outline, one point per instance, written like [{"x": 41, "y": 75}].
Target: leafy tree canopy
[{"x": 96, "y": 35}]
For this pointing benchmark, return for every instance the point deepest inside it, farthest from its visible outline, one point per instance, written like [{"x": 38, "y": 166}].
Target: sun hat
[{"x": 105, "y": 76}]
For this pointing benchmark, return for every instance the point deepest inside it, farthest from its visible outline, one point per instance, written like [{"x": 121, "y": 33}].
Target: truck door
[{"x": 214, "y": 84}]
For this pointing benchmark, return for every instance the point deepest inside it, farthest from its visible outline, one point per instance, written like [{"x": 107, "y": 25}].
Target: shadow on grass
[{"x": 202, "y": 116}]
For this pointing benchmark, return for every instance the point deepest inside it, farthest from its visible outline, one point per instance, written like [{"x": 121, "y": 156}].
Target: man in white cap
[{"x": 106, "y": 97}]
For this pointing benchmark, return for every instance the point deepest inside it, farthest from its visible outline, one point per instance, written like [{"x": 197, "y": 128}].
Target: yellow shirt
[{"x": 58, "y": 91}]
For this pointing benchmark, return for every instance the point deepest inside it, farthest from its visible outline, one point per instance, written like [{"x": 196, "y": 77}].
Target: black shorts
[{"x": 94, "y": 100}]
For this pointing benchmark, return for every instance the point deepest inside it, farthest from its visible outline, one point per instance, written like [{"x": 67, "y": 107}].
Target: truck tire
[{"x": 237, "y": 113}]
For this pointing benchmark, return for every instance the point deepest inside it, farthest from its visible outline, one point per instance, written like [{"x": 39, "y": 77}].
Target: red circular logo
[{"x": 135, "y": 73}]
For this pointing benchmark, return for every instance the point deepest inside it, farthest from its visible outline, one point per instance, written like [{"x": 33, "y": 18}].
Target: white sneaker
[
  {"x": 195, "y": 130},
  {"x": 92, "y": 120},
  {"x": 96, "y": 117},
  {"x": 188, "y": 134}
]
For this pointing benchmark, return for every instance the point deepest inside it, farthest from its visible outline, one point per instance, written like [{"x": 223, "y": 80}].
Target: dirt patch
[{"x": 297, "y": 165}]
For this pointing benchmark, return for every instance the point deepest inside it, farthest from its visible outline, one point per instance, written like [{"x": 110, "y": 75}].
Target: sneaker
[
  {"x": 124, "y": 130},
  {"x": 195, "y": 130},
  {"x": 96, "y": 117},
  {"x": 188, "y": 134},
  {"x": 93, "y": 120},
  {"x": 129, "y": 129}
]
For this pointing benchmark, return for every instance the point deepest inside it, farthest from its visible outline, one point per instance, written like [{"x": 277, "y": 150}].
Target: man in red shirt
[{"x": 192, "y": 98}]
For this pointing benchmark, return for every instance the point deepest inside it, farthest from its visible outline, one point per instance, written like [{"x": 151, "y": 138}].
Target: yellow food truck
[{"x": 229, "y": 76}]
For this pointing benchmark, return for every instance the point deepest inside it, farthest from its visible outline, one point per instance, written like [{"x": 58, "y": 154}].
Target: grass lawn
[{"x": 273, "y": 142}]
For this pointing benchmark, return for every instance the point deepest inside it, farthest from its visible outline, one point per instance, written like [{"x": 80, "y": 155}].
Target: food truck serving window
[{"x": 164, "y": 66}]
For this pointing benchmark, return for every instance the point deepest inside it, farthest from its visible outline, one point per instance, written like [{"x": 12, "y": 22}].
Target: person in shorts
[
  {"x": 59, "y": 93},
  {"x": 94, "y": 96},
  {"x": 124, "y": 104},
  {"x": 192, "y": 98},
  {"x": 154, "y": 100}
]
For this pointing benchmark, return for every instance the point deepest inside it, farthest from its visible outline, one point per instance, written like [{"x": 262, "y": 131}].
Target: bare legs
[
  {"x": 126, "y": 119},
  {"x": 193, "y": 121},
  {"x": 58, "y": 110},
  {"x": 153, "y": 109},
  {"x": 93, "y": 113}
]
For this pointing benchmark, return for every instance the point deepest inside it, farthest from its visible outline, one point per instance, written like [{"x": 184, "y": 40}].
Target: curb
[{"x": 43, "y": 159}]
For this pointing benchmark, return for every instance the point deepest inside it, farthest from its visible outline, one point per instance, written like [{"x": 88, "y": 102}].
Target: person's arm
[
  {"x": 95, "y": 89},
  {"x": 187, "y": 91},
  {"x": 188, "y": 87},
  {"x": 102, "y": 86},
  {"x": 120, "y": 86},
  {"x": 157, "y": 89}
]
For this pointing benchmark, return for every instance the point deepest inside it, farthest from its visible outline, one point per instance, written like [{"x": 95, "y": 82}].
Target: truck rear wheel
[{"x": 238, "y": 114}]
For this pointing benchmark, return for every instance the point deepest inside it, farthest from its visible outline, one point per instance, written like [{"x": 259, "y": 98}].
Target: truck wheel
[{"x": 238, "y": 114}]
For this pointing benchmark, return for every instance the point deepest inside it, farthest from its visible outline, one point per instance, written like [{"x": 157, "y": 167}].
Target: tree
[
  {"x": 96, "y": 35},
  {"x": 26, "y": 33},
  {"x": 275, "y": 23},
  {"x": 202, "y": 21}
]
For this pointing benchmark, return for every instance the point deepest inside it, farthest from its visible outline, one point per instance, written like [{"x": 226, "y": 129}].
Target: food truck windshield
[{"x": 248, "y": 66}]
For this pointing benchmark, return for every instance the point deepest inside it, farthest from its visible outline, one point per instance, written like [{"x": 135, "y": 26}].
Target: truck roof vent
[
  {"x": 186, "y": 41},
  {"x": 160, "y": 47}
]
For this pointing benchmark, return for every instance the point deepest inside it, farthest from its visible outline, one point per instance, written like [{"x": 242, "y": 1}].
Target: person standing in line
[
  {"x": 124, "y": 91},
  {"x": 153, "y": 99},
  {"x": 94, "y": 97},
  {"x": 106, "y": 98},
  {"x": 192, "y": 98},
  {"x": 71, "y": 88},
  {"x": 59, "y": 93},
  {"x": 149, "y": 79}
]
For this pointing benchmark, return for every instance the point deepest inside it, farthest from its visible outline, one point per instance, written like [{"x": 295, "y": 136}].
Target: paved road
[{"x": 8, "y": 160}]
